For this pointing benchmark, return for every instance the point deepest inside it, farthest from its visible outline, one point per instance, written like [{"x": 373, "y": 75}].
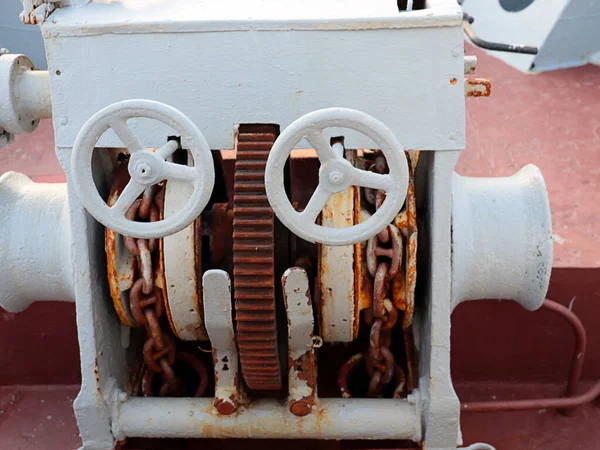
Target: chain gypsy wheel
[{"x": 254, "y": 263}]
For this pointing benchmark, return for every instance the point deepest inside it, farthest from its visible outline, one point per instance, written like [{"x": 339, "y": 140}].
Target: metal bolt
[
  {"x": 143, "y": 170},
  {"x": 336, "y": 177},
  {"x": 300, "y": 408},
  {"x": 226, "y": 407},
  {"x": 317, "y": 342}
]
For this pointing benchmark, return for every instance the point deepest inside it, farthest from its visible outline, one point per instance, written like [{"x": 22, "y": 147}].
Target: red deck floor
[
  {"x": 552, "y": 120},
  {"x": 41, "y": 417}
]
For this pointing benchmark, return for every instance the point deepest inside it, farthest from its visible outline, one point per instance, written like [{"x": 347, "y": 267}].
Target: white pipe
[
  {"x": 24, "y": 94},
  {"x": 33, "y": 91},
  {"x": 269, "y": 419},
  {"x": 35, "y": 242}
]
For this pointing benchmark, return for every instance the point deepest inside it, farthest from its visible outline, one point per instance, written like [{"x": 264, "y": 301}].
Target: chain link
[
  {"x": 384, "y": 259},
  {"x": 383, "y": 315},
  {"x": 161, "y": 351},
  {"x": 146, "y": 299}
]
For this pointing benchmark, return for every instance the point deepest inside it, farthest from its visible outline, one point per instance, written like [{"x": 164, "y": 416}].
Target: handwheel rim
[
  {"x": 317, "y": 121},
  {"x": 82, "y": 178}
]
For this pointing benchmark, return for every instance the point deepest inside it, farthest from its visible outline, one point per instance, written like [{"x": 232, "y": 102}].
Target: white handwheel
[
  {"x": 335, "y": 175},
  {"x": 146, "y": 167}
]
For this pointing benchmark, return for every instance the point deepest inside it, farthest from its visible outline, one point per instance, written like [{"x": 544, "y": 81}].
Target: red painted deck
[
  {"x": 551, "y": 120},
  {"x": 498, "y": 349}
]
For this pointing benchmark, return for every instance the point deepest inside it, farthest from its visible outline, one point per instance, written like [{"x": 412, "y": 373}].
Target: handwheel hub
[
  {"x": 336, "y": 177},
  {"x": 144, "y": 167}
]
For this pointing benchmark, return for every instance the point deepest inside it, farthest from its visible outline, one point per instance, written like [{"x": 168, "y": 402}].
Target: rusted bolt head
[
  {"x": 300, "y": 408},
  {"x": 226, "y": 407}
]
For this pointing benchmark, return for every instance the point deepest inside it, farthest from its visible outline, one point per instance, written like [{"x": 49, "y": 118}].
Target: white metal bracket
[
  {"x": 217, "y": 305},
  {"x": 302, "y": 370}
]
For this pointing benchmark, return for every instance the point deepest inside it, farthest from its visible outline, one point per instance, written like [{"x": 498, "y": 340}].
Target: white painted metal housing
[
  {"x": 292, "y": 59},
  {"x": 295, "y": 60},
  {"x": 362, "y": 56}
]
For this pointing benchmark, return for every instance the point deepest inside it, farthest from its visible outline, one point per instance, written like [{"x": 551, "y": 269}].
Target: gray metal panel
[
  {"x": 575, "y": 36},
  {"x": 19, "y": 38}
]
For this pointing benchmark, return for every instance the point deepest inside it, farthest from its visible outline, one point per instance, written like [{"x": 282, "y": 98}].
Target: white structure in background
[
  {"x": 566, "y": 32},
  {"x": 398, "y": 70}
]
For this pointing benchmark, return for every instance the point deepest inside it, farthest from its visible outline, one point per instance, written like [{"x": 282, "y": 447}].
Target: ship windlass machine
[{"x": 261, "y": 227}]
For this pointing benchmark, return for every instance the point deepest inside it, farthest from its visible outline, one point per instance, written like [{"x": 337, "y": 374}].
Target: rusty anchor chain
[
  {"x": 384, "y": 261},
  {"x": 383, "y": 315},
  {"x": 147, "y": 303},
  {"x": 146, "y": 299}
]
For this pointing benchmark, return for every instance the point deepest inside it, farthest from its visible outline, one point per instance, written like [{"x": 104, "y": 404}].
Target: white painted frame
[{"x": 291, "y": 67}]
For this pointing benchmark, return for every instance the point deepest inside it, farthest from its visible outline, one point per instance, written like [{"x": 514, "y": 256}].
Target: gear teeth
[{"x": 254, "y": 263}]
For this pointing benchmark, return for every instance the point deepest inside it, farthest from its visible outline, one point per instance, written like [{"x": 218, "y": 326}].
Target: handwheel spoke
[
  {"x": 316, "y": 204},
  {"x": 322, "y": 146},
  {"x": 173, "y": 171},
  {"x": 126, "y": 136},
  {"x": 129, "y": 195},
  {"x": 371, "y": 180},
  {"x": 168, "y": 149}
]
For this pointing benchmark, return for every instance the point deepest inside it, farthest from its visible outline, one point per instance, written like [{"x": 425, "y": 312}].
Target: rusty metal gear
[{"x": 254, "y": 261}]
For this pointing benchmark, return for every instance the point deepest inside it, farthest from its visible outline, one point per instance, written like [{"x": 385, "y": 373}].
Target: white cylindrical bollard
[
  {"x": 33, "y": 90},
  {"x": 501, "y": 238},
  {"x": 35, "y": 242}
]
